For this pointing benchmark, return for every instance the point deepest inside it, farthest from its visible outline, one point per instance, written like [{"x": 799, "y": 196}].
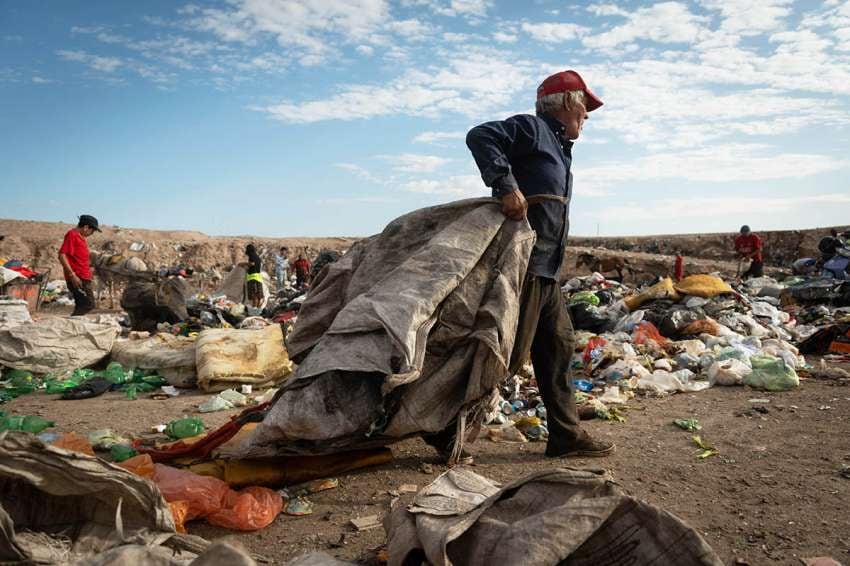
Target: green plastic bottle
[
  {"x": 121, "y": 452},
  {"x": 115, "y": 373},
  {"x": 29, "y": 423},
  {"x": 184, "y": 428}
]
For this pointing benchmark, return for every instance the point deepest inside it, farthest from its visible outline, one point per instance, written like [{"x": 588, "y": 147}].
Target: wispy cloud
[
  {"x": 96, "y": 62},
  {"x": 481, "y": 80},
  {"x": 415, "y": 163},
  {"x": 359, "y": 171},
  {"x": 436, "y": 138},
  {"x": 553, "y": 32}
]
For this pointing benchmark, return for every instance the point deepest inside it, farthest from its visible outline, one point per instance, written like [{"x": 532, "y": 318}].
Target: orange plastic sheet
[
  {"x": 179, "y": 510},
  {"x": 205, "y": 495},
  {"x": 703, "y": 326},
  {"x": 212, "y": 499},
  {"x": 646, "y": 332},
  {"x": 75, "y": 443},
  {"x": 141, "y": 465},
  {"x": 248, "y": 510}
]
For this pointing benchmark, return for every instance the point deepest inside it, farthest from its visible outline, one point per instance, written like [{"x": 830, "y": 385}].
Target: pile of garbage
[{"x": 681, "y": 336}]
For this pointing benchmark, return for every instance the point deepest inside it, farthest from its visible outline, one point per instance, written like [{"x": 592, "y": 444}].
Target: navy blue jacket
[{"x": 532, "y": 154}]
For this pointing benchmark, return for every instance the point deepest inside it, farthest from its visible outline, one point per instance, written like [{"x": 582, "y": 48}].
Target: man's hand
[
  {"x": 76, "y": 281},
  {"x": 514, "y": 205}
]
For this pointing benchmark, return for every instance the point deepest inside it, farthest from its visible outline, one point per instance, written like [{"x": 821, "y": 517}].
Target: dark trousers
[
  {"x": 545, "y": 331},
  {"x": 83, "y": 297},
  {"x": 756, "y": 270}
]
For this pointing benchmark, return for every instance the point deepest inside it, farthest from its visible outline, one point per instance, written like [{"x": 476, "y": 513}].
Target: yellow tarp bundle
[
  {"x": 229, "y": 357},
  {"x": 290, "y": 470},
  {"x": 705, "y": 286},
  {"x": 661, "y": 290}
]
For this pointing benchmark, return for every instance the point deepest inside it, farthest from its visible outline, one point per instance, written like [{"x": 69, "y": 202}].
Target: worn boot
[{"x": 585, "y": 447}]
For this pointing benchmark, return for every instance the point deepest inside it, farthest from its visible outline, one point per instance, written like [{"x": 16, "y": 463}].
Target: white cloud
[
  {"x": 607, "y": 10},
  {"x": 308, "y": 26},
  {"x": 411, "y": 29},
  {"x": 660, "y": 212},
  {"x": 41, "y": 80},
  {"x": 745, "y": 17},
  {"x": 456, "y": 186},
  {"x": 87, "y": 30},
  {"x": 96, "y": 62},
  {"x": 503, "y": 37},
  {"x": 717, "y": 164},
  {"x": 470, "y": 7},
  {"x": 105, "y": 64},
  {"x": 553, "y": 32},
  {"x": 415, "y": 163},
  {"x": 666, "y": 22},
  {"x": 478, "y": 82},
  {"x": 437, "y": 137},
  {"x": 359, "y": 171}
]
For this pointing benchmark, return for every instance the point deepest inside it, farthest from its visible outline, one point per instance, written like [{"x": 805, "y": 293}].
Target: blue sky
[{"x": 331, "y": 117}]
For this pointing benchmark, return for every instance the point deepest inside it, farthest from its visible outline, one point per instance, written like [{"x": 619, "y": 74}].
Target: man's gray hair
[{"x": 553, "y": 102}]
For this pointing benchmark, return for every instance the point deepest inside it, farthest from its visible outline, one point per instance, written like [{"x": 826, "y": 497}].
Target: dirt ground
[{"x": 772, "y": 495}]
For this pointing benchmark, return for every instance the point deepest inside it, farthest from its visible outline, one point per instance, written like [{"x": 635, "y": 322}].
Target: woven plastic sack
[
  {"x": 251, "y": 509},
  {"x": 705, "y": 286}
]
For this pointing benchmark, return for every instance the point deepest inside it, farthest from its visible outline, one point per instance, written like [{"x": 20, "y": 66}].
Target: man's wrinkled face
[{"x": 575, "y": 116}]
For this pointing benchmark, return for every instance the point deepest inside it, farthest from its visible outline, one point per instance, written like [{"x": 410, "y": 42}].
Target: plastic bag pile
[{"x": 669, "y": 337}]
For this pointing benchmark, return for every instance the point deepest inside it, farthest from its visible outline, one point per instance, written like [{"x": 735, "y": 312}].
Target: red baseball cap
[{"x": 565, "y": 81}]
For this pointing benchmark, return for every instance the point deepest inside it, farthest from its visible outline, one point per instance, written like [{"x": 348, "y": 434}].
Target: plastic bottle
[
  {"x": 121, "y": 452},
  {"x": 583, "y": 385},
  {"x": 184, "y": 428},
  {"x": 29, "y": 423},
  {"x": 115, "y": 373}
]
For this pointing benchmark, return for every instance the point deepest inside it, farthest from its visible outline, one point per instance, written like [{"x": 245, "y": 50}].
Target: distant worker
[
  {"x": 748, "y": 246},
  {"x": 281, "y": 267},
  {"x": 74, "y": 257},
  {"x": 530, "y": 157},
  {"x": 302, "y": 270},
  {"x": 829, "y": 245},
  {"x": 254, "y": 277}
]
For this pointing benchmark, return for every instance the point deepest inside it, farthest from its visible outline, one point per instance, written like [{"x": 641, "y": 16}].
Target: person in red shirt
[
  {"x": 74, "y": 257},
  {"x": 302, "y": 270},
  {"x": 748, "y": 246}
]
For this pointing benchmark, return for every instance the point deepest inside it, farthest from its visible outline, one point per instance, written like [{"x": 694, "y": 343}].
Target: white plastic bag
[{"x": 728, "y": 372}]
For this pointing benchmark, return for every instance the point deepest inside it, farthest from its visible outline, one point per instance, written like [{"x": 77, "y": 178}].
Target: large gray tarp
[
  {"x": 409, "y": 329},
  {"x": 562, "y": 517},
  {"x": 56, "y": 504},
  {"x": 55, "y": 344}
]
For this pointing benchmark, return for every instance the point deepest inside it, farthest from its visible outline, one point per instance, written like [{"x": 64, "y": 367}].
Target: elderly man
[{"x": 530, "y": 157}]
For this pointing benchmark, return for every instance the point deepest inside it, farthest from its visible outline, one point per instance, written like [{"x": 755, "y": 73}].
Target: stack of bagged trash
[{"x": 670, "y": 337}]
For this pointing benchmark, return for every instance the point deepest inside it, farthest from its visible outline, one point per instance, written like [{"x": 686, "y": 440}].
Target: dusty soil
[{"x": 772, "y": 495}]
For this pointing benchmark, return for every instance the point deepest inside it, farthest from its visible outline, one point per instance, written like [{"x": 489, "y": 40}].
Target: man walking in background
[
  {"x": 748, "y": 246},
  {"x": 74, "y": 257}
]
